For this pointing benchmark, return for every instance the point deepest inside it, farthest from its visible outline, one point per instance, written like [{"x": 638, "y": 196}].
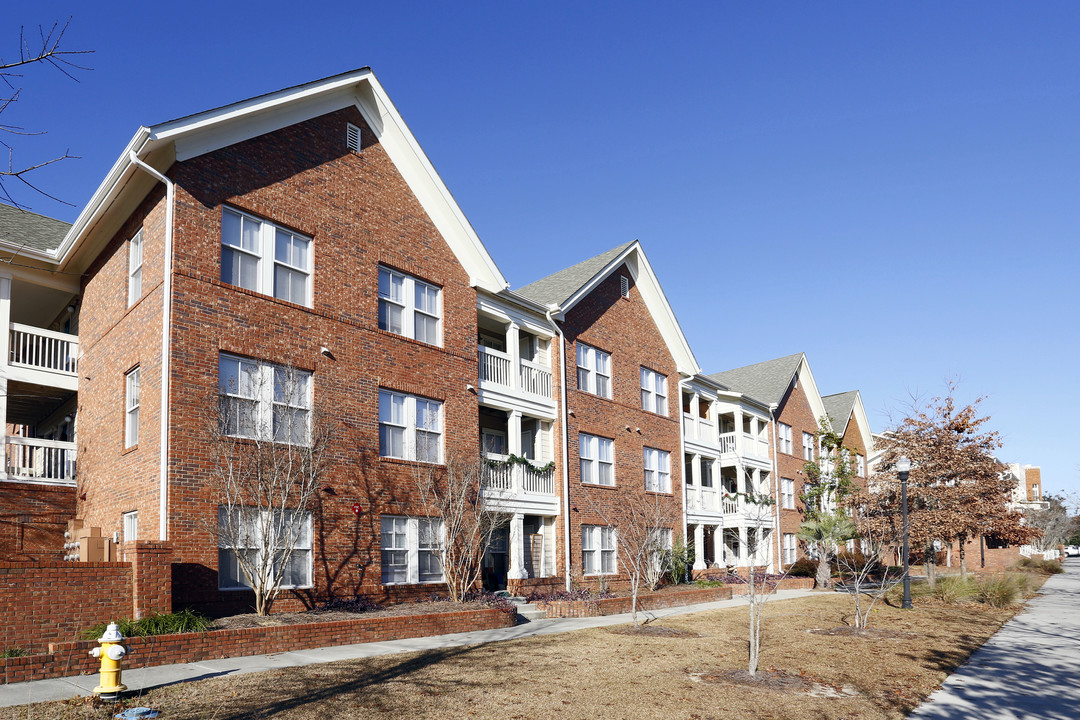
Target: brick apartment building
[{"x": 304, "y": 234}]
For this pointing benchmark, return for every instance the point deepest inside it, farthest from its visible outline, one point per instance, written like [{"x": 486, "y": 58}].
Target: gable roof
[
  {"x": 765, "y": 381},
  {"x": 28, "y": 229},
  {"x": 566, "y": 288},
  {"x": 193, "y": 135},
  {"x": 839, "y": 407}
]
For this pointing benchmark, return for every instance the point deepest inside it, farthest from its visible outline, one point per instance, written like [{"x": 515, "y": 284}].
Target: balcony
[
  {"x": 515, "y": 478},
  {"x": 755, "y": 447},
  {"x": 43, "y": 357},
  {"x": 36, "y": 460},
  {"x": 702, "y": 499},
  {"x": 497, "y": 368},
  {"x": 727, "y": 443}
]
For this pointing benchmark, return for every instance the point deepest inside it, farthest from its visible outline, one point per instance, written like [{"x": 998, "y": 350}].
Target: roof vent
[
  {"x": 352, "y": 137},
  {"x": 624, "y": 286}
]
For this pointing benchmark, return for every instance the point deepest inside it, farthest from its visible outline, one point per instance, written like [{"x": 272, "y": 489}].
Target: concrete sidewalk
[
  {"x": 142, "y": 679},
  {"x": 1029, "y": 669}
]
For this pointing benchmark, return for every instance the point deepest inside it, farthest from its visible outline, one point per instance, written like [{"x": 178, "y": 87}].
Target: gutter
[
  {"x": 166, "y": 329},
  {"x": 682, "y": 465},
  {"x": 565, "y": 440},
  {"x": 779, "y": 534}
]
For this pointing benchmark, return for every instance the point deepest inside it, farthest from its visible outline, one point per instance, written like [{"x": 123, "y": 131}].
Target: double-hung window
[
  {"x": 808, "y": 446},
  {"x": 594, "y": 371},
  {"x": 250, "y": 532},
  {"x": 410, "y": 427},
  {"x": 784, "y": 431},
  {"x": 411, "y": 550},
  {"x": 131, "y": 408},
  {"x": 263, "y": 257},
  {"x": 597, "y": 549},
  {"x": 597, "y": 460},
  {"x": 653, "y": 391},
  {"x": 787, "y": 493},
  {"x": 657, "y": 470},
  {"x": 131, "y": 526},
  {"x": 135, "y": 263},
  {"x": 263, "y": 401},
  {"x": 860, "y": 465},
  {"x": 409, "y": 307},
  {"x": 789, "y": 548}
]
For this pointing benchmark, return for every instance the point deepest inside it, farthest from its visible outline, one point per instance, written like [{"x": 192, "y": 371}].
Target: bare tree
[
  {"x": 862, "y": 573},
  {"x": 1053, "y": 521},
  {"x": 267, "y": 448},
  {"x": 761, "y": 586},
  {"x": 46, "y": 50},
  {"x": 456, "y": 518}
]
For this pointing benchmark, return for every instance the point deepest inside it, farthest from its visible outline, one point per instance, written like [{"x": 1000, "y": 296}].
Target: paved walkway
[
  {"x": 142, "y": 679},
  {"x": 1029, "y": 669}
]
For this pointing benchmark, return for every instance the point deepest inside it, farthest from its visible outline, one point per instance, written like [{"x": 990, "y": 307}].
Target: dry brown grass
[{"x": 603, "y": 674}]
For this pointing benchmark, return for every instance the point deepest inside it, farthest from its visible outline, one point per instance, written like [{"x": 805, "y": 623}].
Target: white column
[
  {"x": 718, "y": 544},
  {"x": 517, "y": 548},
  {"x": 513, "y": 446},
  {"x": 739, "y": 439},
  {"x": 513, "y": 349},
  {"x": 743, "y": 547},
  {"x": 5, "y": 355},
  {"x": 695, "y": 478},
  {"x": 699, "y": 547}
]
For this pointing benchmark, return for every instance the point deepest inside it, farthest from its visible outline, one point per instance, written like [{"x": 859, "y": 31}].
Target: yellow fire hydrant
[{"x": 111, "y": 653}]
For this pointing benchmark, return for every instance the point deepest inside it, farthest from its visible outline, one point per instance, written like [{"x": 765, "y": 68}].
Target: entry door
[{"x": 497, "y": 561}]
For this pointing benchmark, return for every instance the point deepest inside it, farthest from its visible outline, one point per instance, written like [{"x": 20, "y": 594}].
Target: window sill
[
  {"x": 248, "y": 589},
  {"x": 660, "y": 493},
  {"x": 409, "y": 584},
  {"x": 598, "y": 485},
  {"x": 406, "y": 461},
  {"x": 408, "y": 339},
  {"x": 129, "y": 449}
]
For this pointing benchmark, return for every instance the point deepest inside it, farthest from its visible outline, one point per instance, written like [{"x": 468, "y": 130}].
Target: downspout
[
  {"x": 682, "y": 466},
  {"x": 779, "y": 534},
  {"x": 166, "y": 329},
  {"x": 565, "y": 440}
]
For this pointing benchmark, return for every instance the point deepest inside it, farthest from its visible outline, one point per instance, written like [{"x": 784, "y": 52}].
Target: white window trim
[
  {"x": 256, "y": 544},
  {"x": 597, "y": 534},
  {"x": 409, "y": 426},
  {"x": 131, "y": 525},
  {"x": 658, "y": 468},
  {"x": 592, "y": 357},
  {"x": 262, "y": 383},
  {"x": 594, "y": 461},
  {"x": 131, "y": 408},
  {"x": 808, "y": 446},
  {"x": 653, "y": 391},
  {"x": 266, "y": 258},
  {"x": 860, "y": 465},
  {"x": 412, "y": 550},
  {"x": 784, "y": 431},
  {"x": 135, "y": 266},
  {"x": 790, "y": 548},
  {"x": 408, "y": 306},
  {"x": 787, "y": 493}
]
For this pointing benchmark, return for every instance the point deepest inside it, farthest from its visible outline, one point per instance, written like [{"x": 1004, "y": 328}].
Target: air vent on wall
[
  {"x": 624, "y": 286},
  {"x": 352, "y": 137}
]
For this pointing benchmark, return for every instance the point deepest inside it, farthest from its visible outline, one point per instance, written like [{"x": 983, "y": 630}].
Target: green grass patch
[
  {"x": 13, "y": 652},
  {"x": 185, "y": 621}
]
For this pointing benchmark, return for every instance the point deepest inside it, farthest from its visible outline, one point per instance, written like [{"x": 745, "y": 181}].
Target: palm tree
[{"x": 823, "y": 534}]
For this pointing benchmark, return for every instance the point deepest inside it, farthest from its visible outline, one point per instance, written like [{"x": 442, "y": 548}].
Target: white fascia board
[
  {"x": 655, "y": 300},
  {"x": 22, "y": 251},
  {"x": 859, "y": 410},
  {"x": 511, "y": 312},
  {"x": 810, "y": 389}
]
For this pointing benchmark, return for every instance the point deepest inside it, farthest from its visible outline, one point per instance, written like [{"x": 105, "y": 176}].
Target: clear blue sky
[{"x": 890, "y": 187}]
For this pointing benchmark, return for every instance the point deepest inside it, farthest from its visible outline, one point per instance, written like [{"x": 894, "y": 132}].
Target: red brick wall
[
  {"x": 1033, "y": 480},
  {"x": 53, "y": 601},
  {"x": 151, "y": 564},
  {"x": 646, "y": 601},
  {"x": 359, "y": 213},
  {"x": 624, "y": 328},
  {"x": 794, "y": 410},
  {"x": 72, "y": 658},
  {"x": 32, "y": 521}
]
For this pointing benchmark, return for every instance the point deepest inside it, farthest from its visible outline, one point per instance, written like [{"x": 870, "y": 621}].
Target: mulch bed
[
  {"x": 868, "y": 633},
  {"x": 766, "y": 679},
  {"x": 652, "y": 631},
  {"x": 248, "y": 620}
]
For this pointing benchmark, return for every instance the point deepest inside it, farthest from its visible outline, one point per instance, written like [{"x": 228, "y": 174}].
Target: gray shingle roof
[
  {"x": 558, "y": 287},
  {"x": 839, "y": 407},
  {"x": 26, "y": 229},
  {"x": 765, "y": 381}
]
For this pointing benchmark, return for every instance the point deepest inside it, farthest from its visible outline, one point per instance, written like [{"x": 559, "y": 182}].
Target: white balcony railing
[
  {"x": 731, "y": 506},
  {"x": 515, "y": 477},
  {"x": 689, "y": 431},
  {"x": 41, "y": 349},
  {"x": 708, "y": 499},
  {"x": 535, "y": 378},
  {"x": 494, "y": 366},
  {"x": 497, "y": 367},
  {"x": 40, "y": 460},
  {"x": 727, "y": 442}
]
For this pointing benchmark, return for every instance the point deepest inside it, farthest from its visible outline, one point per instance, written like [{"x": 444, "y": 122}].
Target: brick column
[{"x": 151, "y": 576}]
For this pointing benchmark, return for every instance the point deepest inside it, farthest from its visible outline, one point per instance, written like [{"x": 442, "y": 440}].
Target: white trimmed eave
[
  {"x": 211, "y": 130},
  {"x": 859, "y": 410},
  {"x": 655, "y": 300},
  {"x": 810, "y": 389}
]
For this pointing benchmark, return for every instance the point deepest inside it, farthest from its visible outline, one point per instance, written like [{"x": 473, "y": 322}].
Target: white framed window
[
  {"x": 264, "y": 401},
  {"x": 410, "y": 427},
  {"x": 598, "y": 550},
  {"x": 251, "y": 524},
  {"x": 260, "y": 256},
  {"x": 789, "y": 548},
  {"x": 784, "y": 432},
  {"x": 860, "y": 465},
  {"x": 808, "y": 446},
  {"x": 131, "y": 526},
  {"x": 653, "y": 391},
  {"x": 787, "y": 493},
  {"x": 131, "y": 408},
  {"x": 597, "y": 459},
  {"x": 594, "y": 371},
  {"x": 135, "y": 263},
  {"x": 657, "y": 470},
  {"x": 411, "y": 550},
  {"x": 409, "y": 307}
]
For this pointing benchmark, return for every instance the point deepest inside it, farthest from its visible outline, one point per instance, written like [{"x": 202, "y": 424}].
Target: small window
[
  {"x": 653, "y": 391},
  {"x": 411, "y": 550},
  {"x": 131, "y": 408},
  {"x": 808, "y": 446},
  {"x": 265, "y": 258},
  {"x": 860, "y": 465},
  {"x": 784, "y": 431},
  {"x": 597, "y": 456},
  {"x": 410, "y": 427},
  {"x": 135, "y": 263},
  {"x": 787, "y": 493},
  {"x": 594, "y": 371},
  {"x": 598, "y": 550},
  {"x": 131, "y": 526},
  {"x": 789, "y": 548},
  {"x": 624, "y": 286},
  {"x": 352, "y": 137},
  {"x": 657, "y": 470}
]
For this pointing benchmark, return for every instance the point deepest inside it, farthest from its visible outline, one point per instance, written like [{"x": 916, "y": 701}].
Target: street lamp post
[{"x": 903, "y": 467}]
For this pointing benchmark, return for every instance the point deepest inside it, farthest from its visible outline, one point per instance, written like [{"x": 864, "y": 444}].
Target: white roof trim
[
  {"x": 806, "y": 376},
  {"x": 859, "y": 411}
]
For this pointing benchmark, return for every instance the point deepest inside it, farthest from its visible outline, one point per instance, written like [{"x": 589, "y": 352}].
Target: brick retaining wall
[
  {"x": 646, "y": 601},
  {"x": 72, "y": 658}
]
